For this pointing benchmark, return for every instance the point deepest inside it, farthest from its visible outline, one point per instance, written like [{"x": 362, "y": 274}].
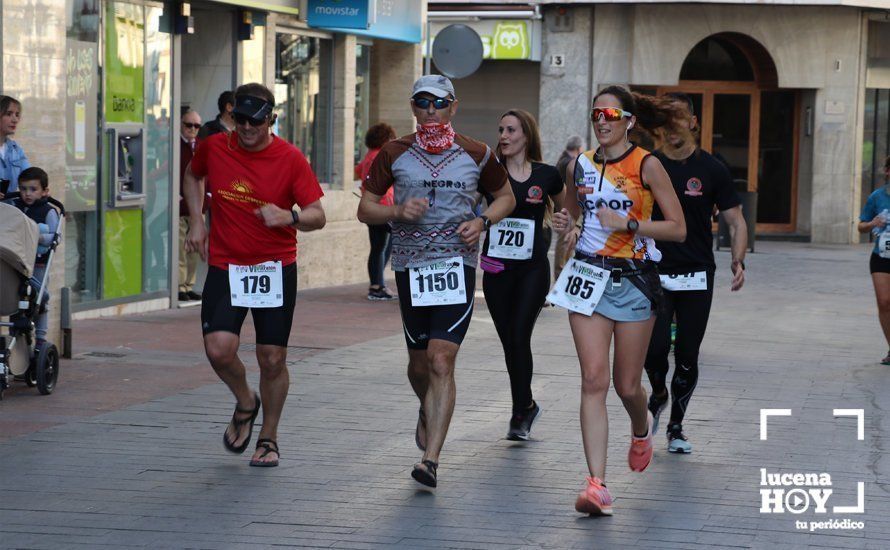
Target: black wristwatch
[
  {"x": 740, "y": 262},
  {"x": 633, "y": 225},
  {"x": 296, "y": 217},
  {"x": 485, "y": 222}
]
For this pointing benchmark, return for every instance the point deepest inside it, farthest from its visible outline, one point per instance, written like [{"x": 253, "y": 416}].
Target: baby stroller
[{"x": 20, "y": 356}]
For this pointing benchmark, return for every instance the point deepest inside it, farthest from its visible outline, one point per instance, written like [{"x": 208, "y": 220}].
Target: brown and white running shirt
[{"x": 450, "y": 181}]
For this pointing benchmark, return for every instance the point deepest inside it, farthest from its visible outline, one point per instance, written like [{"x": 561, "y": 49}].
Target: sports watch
[
  {"x": 633, "y": 225},
  {"x": 295, "y": 216},
  {"x": 485, "y": 222}
]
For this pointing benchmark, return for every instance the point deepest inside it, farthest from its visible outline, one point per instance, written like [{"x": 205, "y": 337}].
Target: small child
[{"x": 34, "y": 189}]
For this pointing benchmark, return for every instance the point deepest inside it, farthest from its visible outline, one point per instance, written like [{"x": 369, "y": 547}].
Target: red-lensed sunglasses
[{"x": 609, "y": 114}]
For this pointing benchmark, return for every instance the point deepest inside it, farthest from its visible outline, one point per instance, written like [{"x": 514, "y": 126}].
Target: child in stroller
[{"x": 25, "y": 353}]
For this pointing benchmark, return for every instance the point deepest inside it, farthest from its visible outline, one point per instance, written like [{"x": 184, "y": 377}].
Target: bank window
[{"x": 303, "y": 66}]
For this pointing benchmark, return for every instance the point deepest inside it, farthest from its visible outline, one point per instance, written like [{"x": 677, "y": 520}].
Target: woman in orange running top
[{"x": 616, "y": 187}]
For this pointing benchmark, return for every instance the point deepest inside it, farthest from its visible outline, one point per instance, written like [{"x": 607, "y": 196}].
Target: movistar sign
[{"x": 344, "y": 14}]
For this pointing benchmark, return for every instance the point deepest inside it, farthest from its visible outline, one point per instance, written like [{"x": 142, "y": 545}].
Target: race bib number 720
[{"x": 257, "y": 286}]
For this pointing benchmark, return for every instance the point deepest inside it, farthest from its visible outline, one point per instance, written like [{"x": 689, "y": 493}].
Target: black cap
[{"x": 252, "y": 106}]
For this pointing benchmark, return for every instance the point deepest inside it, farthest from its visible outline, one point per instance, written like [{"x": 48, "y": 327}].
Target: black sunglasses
[
  {"x": 244, "y": 119},
  {"x": 438, "y": 103},
  {"x": 192, "y": 125}
]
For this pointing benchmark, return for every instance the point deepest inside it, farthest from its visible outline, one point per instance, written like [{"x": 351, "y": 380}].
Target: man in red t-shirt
[{"x": 255, "y": 178}]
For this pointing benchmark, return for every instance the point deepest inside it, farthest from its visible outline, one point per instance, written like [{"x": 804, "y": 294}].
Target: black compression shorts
[
  {"x": 272, "y": 325},
  {"x": 878, "y": 264},
  {"x": 423, "y": 324}
]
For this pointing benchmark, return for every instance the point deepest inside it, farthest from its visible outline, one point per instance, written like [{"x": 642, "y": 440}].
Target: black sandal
[
  {"x": 425, "y": 476},
  {"x": 238, "y": 422},
  {"x": 421, "y": 422},
  {"x": 270, "y": 446}
]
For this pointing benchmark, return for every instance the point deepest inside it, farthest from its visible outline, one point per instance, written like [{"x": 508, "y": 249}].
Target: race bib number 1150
[{"x": 440, "y": 283}]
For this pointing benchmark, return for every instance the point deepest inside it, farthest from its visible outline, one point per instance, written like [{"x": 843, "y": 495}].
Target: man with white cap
[
  {"x": 257, "y": 179},
  {"x": 436, "y": 175}
]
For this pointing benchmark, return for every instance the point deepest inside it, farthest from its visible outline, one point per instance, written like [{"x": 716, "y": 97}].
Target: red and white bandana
[{"x": 435, "y": 138}]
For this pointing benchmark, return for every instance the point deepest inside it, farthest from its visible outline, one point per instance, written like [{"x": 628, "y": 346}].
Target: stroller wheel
[{"x": 47, "y": 371}]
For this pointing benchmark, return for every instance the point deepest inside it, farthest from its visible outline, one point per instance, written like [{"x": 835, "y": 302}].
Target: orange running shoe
[
  {"x": 594, "y": 498},
  {"x": 640, "y": 454}
]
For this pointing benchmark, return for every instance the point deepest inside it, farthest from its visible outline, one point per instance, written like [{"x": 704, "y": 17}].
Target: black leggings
[
  {"x": 514, "y": 298},
  {"x": 692, "y": 308},
  {"x": 381, "y": 246}
]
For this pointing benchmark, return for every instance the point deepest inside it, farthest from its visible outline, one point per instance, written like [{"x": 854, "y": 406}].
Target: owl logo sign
[{"x": 510, "y": 41}]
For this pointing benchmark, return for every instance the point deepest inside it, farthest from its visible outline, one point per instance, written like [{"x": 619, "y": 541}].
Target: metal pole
[{"x": 429, "y": 48}]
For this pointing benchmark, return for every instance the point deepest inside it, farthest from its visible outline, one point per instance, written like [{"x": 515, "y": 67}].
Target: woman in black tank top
[{"x": 514, "y": 258}]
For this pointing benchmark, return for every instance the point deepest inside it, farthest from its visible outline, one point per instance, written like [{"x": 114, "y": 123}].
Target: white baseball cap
[{"x": 436, "y": 84}]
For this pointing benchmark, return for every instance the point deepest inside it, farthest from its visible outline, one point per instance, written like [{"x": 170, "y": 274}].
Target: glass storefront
[
  {"x": 876, "y": 143},
  {"x": 118, "y": 190},
  {"x": 303, "y": 90},
  {"x": 362, "y": 98}
]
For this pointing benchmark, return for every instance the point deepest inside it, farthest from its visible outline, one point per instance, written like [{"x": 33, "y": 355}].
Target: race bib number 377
[
  {"x": 440, "y": 283},
  {"x": 579, "y": 287},
  {"x": 257, "y": 286},
  {"x": 685, "y": 281},
  {"x": 884, "y": 245}
]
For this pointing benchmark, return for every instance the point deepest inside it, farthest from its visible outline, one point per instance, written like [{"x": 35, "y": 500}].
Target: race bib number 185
[
  {"x": 256, "y": 286},
  {"x": 579, "y": 287}
]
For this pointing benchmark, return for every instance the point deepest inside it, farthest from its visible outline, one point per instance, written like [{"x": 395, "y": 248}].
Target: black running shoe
[
  {"x": 677, "y": 442},
  {"x": 656, "y": 405},
  {"x": 521, "y": 424}
]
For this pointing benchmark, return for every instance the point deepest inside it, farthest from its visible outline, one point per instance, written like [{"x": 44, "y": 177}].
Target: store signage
[
  {"x": 344, "y": 14},
  {"x": 390, "y": 19},
  {"x": 510, "y": 39}
]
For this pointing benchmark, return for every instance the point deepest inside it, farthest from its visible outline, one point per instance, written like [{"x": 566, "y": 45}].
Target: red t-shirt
[
  {"x": 241, "y": 182},
  {"x": 364, "y": 168}
]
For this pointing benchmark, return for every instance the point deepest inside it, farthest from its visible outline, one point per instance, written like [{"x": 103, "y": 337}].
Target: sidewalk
[{"x": 127, "y": 453}]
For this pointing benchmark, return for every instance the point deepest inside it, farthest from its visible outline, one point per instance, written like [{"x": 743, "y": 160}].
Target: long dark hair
[
  {"x": 655, "y": 115},
  {"x": 531, "y": 132}
]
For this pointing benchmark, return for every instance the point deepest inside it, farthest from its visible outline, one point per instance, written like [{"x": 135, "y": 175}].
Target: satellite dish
[{"x": 457, "y": 51}]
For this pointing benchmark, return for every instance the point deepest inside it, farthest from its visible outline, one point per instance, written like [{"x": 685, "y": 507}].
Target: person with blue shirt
[
  {"x": 12, "y": 157},
  {"x": 874, "y": 218}
]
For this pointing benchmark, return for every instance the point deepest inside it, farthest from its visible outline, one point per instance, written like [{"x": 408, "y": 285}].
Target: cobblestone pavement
[{"x": 151, "y": 472}]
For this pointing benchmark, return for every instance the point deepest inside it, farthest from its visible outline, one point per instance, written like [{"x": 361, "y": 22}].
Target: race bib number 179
[{"x": 257, "y": 286}]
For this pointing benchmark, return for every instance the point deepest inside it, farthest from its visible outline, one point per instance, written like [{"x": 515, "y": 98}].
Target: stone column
[
  {"x": 344, "y": 111},
  {"x": 394, "y": 68},
  {"x": 565, "y": 91}
]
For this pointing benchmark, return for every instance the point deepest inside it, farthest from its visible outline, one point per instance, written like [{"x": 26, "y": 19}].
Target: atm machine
[{"x": 123, "y": 182}]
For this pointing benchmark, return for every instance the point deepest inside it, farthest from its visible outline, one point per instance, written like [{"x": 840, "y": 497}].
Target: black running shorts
[
  {"x": 272, "y": 325},
  {"x": 878, "y": 264},
  {"x": 423, "y": 324}
]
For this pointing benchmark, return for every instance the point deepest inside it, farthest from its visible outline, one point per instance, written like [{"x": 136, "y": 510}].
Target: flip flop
[
  {"x": 238, "y": 422},
  {"x": 425, "y": 476},
  {"x": 270, "y": 446}
]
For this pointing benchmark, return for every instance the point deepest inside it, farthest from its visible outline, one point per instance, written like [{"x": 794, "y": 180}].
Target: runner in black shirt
[
  {"x": 702, "y": 183},
  {"x": 517, "y": 272}
]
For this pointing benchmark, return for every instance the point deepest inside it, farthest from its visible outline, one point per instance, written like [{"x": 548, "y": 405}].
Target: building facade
[
  {"x": 103, "y": 83},
  {"x": 793, "y": 97}
]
